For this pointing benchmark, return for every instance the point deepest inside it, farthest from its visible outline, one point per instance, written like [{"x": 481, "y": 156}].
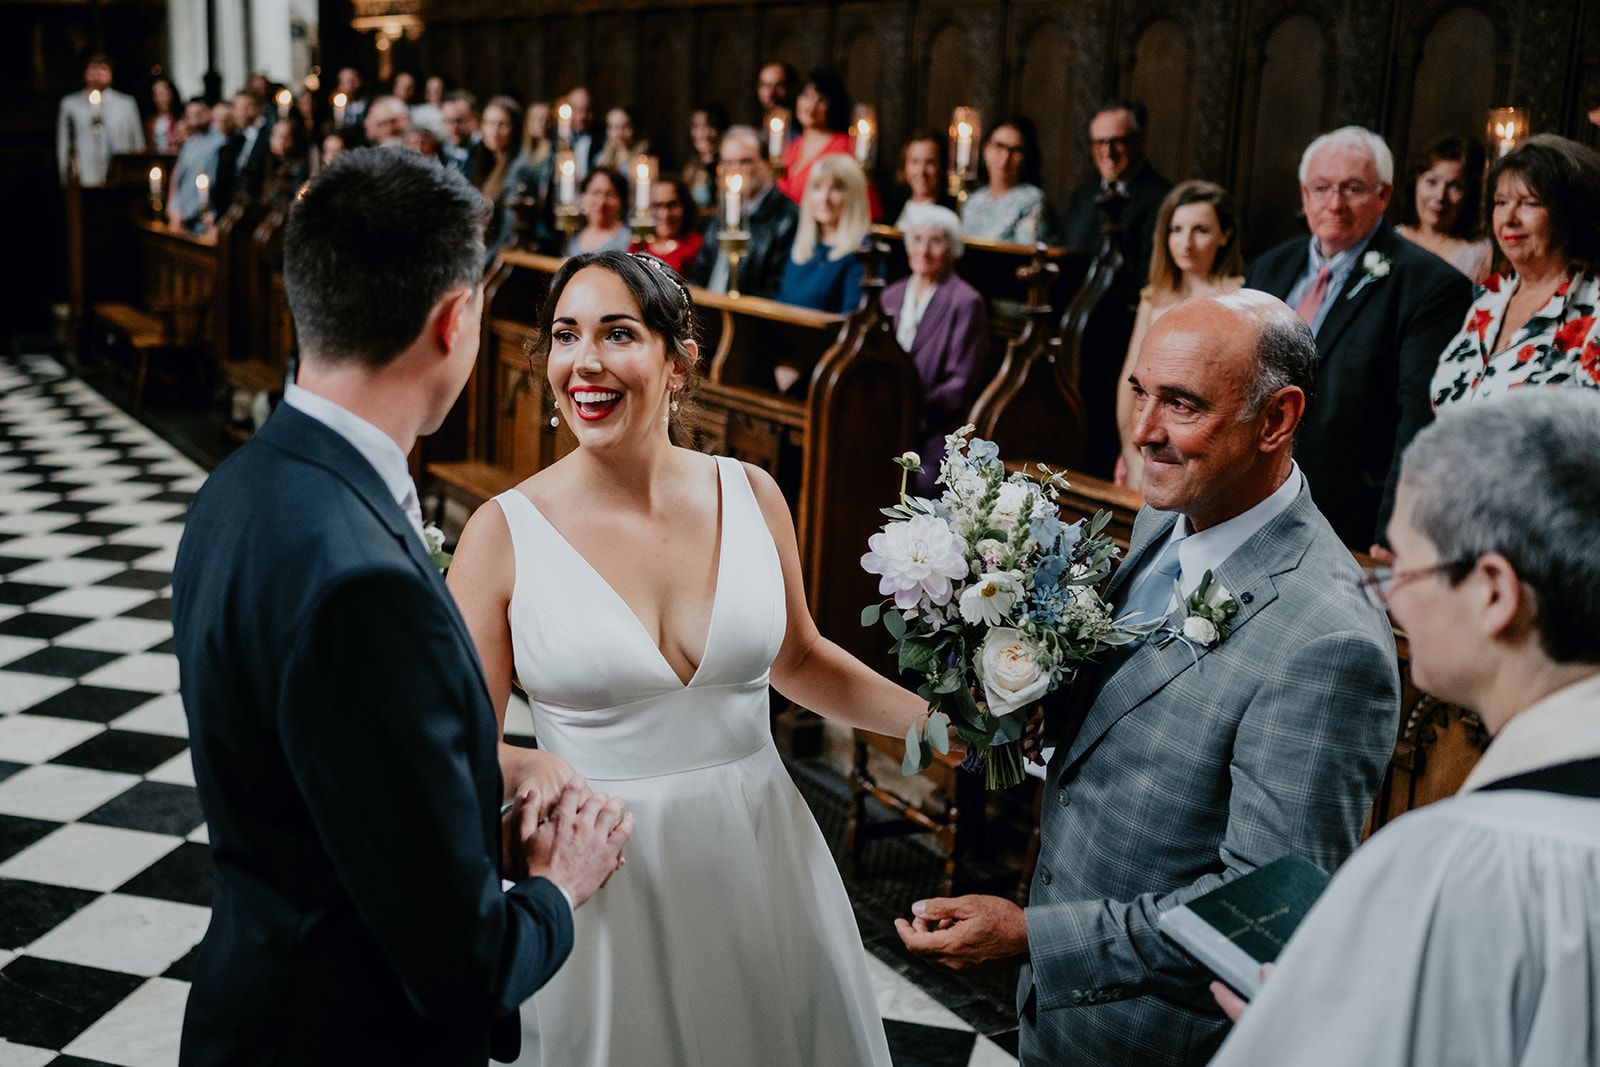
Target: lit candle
[
  {"x": 94, "y": 102},
  {"x": 564, "y": 123},
  {"x": 285, "y": 101},
  {"x": 863, "y": 140},
  {"x": 339, "y": 101},
  {"x": 569, "y": 181},
  {"x": 963, "y": 145},
  {"x": 775, "y": 130},
  {"x": 641, "y": 186},
  {"x": 733, "y": 201},
  {"x": 155, "y": 183},
  {"x": 202, "y": 185}
]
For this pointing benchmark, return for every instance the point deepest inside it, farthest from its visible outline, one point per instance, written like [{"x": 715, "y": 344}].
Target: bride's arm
[
  {"x": 481, "y": 578},
  {"x": 811, "y": 670}
]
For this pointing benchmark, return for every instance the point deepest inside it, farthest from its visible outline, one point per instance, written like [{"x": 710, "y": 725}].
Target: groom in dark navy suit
[{"x": 343, "y": 740}]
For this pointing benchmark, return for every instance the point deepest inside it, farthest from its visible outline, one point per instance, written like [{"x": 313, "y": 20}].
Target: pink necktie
[{"x": 1311, "y": 303}]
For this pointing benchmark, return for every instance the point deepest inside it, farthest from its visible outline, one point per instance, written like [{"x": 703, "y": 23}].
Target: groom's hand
[
  {"x": 579, "y": 845},
  {"x": 965, "y": 932}
]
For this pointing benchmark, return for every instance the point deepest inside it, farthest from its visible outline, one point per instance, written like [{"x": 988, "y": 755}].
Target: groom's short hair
[{"x": 373, "y": 243}]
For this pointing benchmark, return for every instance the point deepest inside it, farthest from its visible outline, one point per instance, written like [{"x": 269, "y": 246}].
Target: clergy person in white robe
[
  {"x": 94, "y": 124},
  {"x": 1468, "y": 932}
]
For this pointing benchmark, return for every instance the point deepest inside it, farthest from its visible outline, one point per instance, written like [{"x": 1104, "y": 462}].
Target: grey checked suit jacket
[{"x": 1176, "y": 771}]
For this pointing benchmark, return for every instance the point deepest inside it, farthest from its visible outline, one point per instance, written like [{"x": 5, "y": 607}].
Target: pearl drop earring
[{"x": 555, "y": 420}]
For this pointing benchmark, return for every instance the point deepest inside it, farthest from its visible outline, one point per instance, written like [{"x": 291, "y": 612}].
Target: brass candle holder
[
  {"x": 643, "y": 227},
  {"x": 734, "y": 244},
  {"x": 569, "y": 220}
]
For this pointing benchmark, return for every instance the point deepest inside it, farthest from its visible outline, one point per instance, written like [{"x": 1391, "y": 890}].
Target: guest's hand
[
  {"x": 580, "y": 845},
  {"x": 965, "y": 932},
  {"x": 1381, "y": 554},
  {"x": 1033, "y": 736},
  {"x": 1231, "y": 1003}
]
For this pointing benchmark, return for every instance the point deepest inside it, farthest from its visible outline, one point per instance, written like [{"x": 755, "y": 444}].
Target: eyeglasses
[
  {"x": 1378, "y": 582},
  {"x": 1349, "y": 192},
  {"x": 665, "y": 205},
  {"x": 1009, "y": 149},
  {"x": 1110, "y": 142}
]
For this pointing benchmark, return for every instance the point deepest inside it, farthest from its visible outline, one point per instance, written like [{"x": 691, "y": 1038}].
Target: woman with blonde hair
[
  {"x": 823, "y": 271},
  {"x": 1196, "y": 253}
]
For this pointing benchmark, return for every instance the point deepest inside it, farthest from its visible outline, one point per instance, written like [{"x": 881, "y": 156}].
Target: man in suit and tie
[
  {"x": 459, "y": 112},
  {"x": 769, "y": 217},
  {"x": 246, "y": 151},
  {"x": 96, "y": 124},
  {"x": 1383, "y": 311},
  {"x": 1178, "y": 764},
  {"x": 344, "y": 745},
  {"x": 1116, "y": 138}
]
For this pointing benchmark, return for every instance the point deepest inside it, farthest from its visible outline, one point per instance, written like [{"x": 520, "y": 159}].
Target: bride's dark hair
[{"x": 662, "y": 296}]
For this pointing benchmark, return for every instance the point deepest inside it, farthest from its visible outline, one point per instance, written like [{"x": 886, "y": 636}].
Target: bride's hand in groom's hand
[
  {"x": 1033, "y": 736},
  {"x": 579, "y": 845},
  {"x": 545, "y": 773}
]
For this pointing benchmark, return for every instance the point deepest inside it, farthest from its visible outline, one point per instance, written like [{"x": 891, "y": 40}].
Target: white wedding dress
[{"x": 727, "y": 940}]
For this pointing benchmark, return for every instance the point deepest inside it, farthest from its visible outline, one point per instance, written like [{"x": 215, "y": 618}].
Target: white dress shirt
[
  {"x": 915, "y": 305},
  {"x": 1464, "y": 933},
  {"x": 375, "y": 446},
  {"x": 1208, "y": 549}
]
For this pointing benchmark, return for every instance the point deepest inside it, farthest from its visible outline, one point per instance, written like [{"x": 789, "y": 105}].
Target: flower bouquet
[{"x": 994, "y": 601}]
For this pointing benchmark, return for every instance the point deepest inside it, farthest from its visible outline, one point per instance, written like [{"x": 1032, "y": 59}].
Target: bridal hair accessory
[{"x": 666, "y": 275}]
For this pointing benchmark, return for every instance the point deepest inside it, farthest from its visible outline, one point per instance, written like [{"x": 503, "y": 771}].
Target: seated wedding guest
[
  {"x": 197, "y": 156},
  {"x": 706, "y": 126},
  {"x": 776, "y": 84},
  {"x": 427, "y": 114},
  {"x": 1535, "y": 324},
  {"x": 531, "y": 174},
  {"x": 459, "y": 141},
  {"x": 308, "y": 106},
  {"x": 1117, "y": 141},
  {"x": 823, "y": 270},
  {"x": 1199, "y": 256},
  {"x": 424, "y": 142},
  {"x": 1465, "y": 932},
  {"x": 622, "y": 142},
  {"x": 1382, "y": 310},
  {"x": 328, "y": 150},
  {"x": 386, "y": 123},
  {"x": 922, "y": 179},
  {"x": 403, "y": 87},
  {"x": 288, "y": 164},
  {"x": 491, "y": 164},
  {"x": 349, "y": 82},
  {"x": 943, "y": 323},
  {"x": 604, "y": 192},
  {"x": 768, "y": 216},
  {"x": 162, "y": 123},
  {"x": 585, "y": 144},
  {"x": 677, "y": 237},
  {"x": 822, "y": 115},
  {"x": 1180, "y": 765},
  {"x": 1440, "y": 205},
  {"x": 1011, "y": 207}
]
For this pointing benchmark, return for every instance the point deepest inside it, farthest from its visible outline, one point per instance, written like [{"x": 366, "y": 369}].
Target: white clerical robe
[
  {"x": 79, "y": 137},
  {"x": 1465, "y": 933}
]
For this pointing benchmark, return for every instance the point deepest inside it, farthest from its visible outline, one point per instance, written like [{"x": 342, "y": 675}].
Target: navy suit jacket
[
  {"x": 345, "y": 752},
  {"x": 1379, "y": 346}
]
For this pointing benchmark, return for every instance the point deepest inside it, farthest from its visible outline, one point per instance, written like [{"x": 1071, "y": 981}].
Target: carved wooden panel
[
  {"x": 1290, "y": 104},
  {"x": 664, "y": 60},
  {"x": 871, "y": 44},
  {"x": 613, "y": 60},
  {"x": 727, "y": 62},
  {"x": 564, "y": 53},
  {"x": 1453, "y": 84},
  {"x": 793, "y": 34},
  {"x": 957, "y": 62},
  {"x": 1044, "y": 88},
  {"x": 1162, "y": 77}
]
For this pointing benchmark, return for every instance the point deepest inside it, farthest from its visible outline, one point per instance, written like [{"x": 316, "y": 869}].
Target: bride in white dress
[{"x": 644, "y": 596}]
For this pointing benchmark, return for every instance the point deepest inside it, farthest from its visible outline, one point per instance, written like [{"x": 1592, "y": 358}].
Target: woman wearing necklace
[
  {"x": 1535, "y": 323},
  {"x": 822, "y": 111}
]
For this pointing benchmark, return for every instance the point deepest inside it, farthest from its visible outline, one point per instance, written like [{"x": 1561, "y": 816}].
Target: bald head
[{"x": 1220, "y": 386}]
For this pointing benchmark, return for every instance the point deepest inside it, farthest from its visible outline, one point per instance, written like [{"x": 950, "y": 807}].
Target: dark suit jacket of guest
[
  {"x": 1379, "y": 345},
  {"x": 345, "y": 752},
  {"x": 772, "y": 225},
  {"x": 1146, "y": 190},
  {"x": 950, "y": 351}
]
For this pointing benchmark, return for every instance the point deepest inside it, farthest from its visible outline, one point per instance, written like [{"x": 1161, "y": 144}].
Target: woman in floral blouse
[
  {"x": 1012, "y": 206},
  {"x": 1535, "y": 323}
]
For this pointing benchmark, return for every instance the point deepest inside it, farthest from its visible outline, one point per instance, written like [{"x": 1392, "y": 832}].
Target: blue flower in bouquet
[
  {"x": 1046, "y": 529},
  {"x": 916, "y": 561},
  {"x": 983, "y": 453}
]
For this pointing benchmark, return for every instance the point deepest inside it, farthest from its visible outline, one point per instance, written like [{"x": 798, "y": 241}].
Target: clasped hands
[{"x": 574, "y": 839}]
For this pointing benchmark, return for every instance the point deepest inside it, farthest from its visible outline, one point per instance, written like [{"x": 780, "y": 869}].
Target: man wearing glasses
[
  {"x": 1116, "y": 138},
  {"x": 1382, "y": 310}
]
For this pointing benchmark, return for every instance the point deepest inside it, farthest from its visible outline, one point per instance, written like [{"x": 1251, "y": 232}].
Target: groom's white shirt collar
[
  {"x": 1208, "y": 549},
  {"x": 375, "y": 446}
]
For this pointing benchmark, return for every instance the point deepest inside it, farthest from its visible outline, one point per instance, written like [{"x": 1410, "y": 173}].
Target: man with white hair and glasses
[
  {"x": 1468, "y": 932},
  {"x": 1383, "y": 311}
]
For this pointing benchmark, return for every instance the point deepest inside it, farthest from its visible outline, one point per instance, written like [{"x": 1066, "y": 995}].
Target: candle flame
[
  {"x": 569, "y": 166},
  {"x": 155, "y": 174},
  {"x": 564, "y": 112},
  {"x": 94, "y": 97},
  {"x": 285, "y": 97},
  {"x": 776, "y": 124},
  {"x": 963, "y": 129},
  {"x": 202, "y": 182},
  {"x": 863, "y": 127},
  {"x": 735, "y": 182},
  {"x": 340, "y": 100}
]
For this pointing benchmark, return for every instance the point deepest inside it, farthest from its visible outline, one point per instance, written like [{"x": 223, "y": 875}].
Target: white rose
[
  {"x": 990, "y": 599},
  {"x": 434, "y": 537},
  {"x": 1010, "y": 506},
  {"x": 1010, "y": 671},
  {"x": 1375, "y": 263},
  {"x": 1200, "y": 630}
]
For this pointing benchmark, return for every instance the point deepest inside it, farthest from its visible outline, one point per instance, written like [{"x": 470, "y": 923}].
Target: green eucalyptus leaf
[
  {"x": 870, "y": 614},
  {"x": 939, "y": 733},
  {"x": 895, "y": 623}
]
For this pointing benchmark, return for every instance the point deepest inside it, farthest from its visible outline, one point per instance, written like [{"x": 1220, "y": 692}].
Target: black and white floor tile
[{"x": 104, "y": 870}]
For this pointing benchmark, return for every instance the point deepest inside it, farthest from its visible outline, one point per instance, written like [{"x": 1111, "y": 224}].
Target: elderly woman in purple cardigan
[{"x": 942, "y": 322}]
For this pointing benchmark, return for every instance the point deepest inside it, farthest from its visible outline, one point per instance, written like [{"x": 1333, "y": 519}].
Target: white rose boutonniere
[
  {"x": 1374, "y": 265},
  {"x": 435, "y": 539},
  {"x": 1207, "y": 615}
]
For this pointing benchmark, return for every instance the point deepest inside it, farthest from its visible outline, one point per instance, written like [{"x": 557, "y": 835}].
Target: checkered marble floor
[{"x": 105, "y": 875}]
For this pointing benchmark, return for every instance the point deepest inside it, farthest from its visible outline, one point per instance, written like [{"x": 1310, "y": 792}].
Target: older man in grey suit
[{"x": 1182, "y": 764}]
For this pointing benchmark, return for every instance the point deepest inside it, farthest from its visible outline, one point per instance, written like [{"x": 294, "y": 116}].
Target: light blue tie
[{"x": 1151, "y": 592}]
